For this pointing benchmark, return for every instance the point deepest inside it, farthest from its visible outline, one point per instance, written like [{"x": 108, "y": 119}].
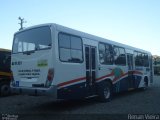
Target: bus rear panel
[{"x": 32, "y": 61}]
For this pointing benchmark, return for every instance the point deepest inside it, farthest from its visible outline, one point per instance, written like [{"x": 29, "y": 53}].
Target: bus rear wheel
[
  {"x": 106, "y": 92},
  {"x": 145, "y": 83}
]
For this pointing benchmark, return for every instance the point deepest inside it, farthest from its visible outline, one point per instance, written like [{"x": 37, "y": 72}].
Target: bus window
[
  {"x": 32, "y": 39},
  {"x": 70, "y": 48},
  {"x": 146, "y": 60},
  {"x": 105, "y": 54},
  {"x": 119, "y": 56},
  {"x": 76, "y": 49},
  {"x": 141, "y": 59},
  {"x": 102, "y": 53}
]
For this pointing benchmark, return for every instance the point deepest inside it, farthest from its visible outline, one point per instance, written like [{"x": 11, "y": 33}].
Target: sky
[{"x": 132, "y": 22}]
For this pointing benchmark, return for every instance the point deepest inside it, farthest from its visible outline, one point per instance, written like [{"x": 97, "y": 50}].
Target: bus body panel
[
  {"x": 74, "y": 80},
  {"x": 32, "y": 69}
]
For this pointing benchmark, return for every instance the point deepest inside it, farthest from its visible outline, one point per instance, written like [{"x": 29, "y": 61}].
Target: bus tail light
[{"x": 50, "y": 77}]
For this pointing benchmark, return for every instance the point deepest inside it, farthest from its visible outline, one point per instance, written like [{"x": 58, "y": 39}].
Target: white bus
[{"x": 54, "y": 60}]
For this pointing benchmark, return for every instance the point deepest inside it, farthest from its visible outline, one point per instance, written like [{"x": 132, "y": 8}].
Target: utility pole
[{"x": 21, "y": 23}]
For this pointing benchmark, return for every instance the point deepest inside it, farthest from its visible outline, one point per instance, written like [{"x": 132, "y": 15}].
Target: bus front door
[
  {"x": 131, "y": 79},
  {"x": 90, "y": 59}
]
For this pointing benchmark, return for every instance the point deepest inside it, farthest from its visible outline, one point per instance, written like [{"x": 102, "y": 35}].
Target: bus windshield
[{"x": 32, "y": 40}]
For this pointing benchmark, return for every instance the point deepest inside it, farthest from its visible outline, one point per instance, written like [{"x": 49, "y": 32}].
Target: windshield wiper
[{"x": 29, "y": 52}]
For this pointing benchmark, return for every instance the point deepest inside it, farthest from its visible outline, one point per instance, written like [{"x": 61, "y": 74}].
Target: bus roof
[{"x": 85, "y": 35}]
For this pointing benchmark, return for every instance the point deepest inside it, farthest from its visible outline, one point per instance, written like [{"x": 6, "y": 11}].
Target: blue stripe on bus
[{"x": 79, "y": 90}]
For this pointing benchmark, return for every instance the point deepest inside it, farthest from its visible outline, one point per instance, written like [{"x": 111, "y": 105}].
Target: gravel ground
[{"x": 133, "y": 102}]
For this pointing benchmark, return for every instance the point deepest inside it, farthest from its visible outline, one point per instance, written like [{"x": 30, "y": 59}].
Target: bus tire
[
  {"x": 106, "y": 92},
  {"x": 4, "y": 89},
  {"x": 145, "y": 84}
]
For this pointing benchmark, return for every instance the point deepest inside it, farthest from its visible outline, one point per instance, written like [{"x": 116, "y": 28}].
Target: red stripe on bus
[
  {"x": 116, "y": 78},
  {"x": 71, "y": 81},
  {"x": 137, "y": 72},
  {"x": 134, "y": 72},
  {"x": 111, "y": 74}
]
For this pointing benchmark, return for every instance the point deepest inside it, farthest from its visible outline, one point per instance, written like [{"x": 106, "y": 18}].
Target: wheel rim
[{"x": 107, "y": 93}]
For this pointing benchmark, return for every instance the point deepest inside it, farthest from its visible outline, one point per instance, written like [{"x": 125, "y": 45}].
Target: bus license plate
[{"x": 17, "y": 84}]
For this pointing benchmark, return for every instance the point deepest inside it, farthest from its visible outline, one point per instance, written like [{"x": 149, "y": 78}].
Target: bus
[
  {"x": 53, "y": 60},
  {"x": 5, "y": 72}
]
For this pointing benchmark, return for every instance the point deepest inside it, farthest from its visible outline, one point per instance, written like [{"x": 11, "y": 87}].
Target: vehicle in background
[
  {"x": 54, "y": 60},
  {"x": 156, "y": 65},
  {"x": 5, "y": 72}
]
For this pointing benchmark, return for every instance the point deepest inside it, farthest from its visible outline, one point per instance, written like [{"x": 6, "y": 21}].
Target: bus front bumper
[{"x": 52, "y": 91}]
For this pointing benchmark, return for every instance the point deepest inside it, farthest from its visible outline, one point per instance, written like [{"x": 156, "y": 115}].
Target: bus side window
[
  {"x": 76, "y": 49},
  {"x": 136, "y": 58},
  {"x": 105, "y": 54},
  {"x": 70, "y": 48},
  {"x": 119, "y": 56},
  {"x": 102, "y": 53},
  {"x": 141, "y": 59},
  {"x": 146, "y": 60}
]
